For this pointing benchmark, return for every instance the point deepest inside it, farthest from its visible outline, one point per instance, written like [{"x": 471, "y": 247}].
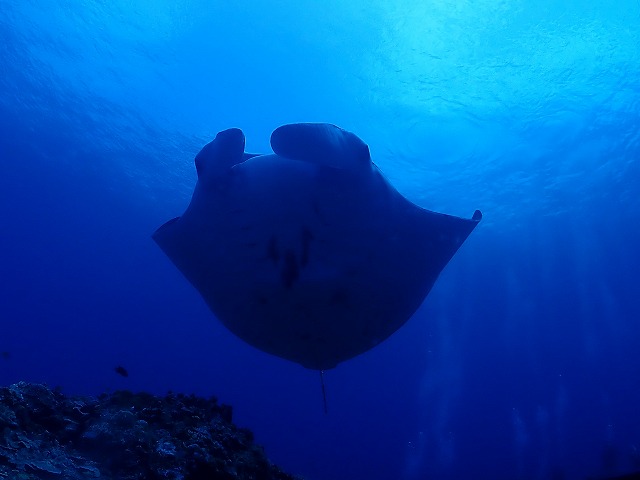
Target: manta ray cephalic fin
[{"x": 321, "y": 144}]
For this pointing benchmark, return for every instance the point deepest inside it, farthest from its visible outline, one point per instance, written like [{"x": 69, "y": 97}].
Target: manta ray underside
[{"x": 308, "y": 253}]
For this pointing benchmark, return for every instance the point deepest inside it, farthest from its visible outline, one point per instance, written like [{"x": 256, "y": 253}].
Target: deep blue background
[{"x": 522, "y": 363}]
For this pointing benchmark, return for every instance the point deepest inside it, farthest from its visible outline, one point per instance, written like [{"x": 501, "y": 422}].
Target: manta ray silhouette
[{"x": 309, "y": 253}]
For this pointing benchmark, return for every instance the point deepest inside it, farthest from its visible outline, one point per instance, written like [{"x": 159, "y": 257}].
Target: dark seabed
[{"x": 523, "y": 361}]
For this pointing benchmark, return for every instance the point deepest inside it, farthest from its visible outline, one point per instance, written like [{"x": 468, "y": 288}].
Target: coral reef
[{"x": 125, "y": 436}]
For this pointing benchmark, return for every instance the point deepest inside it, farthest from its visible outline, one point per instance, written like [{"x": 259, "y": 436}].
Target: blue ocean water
[{"x": 523, "y": 361}]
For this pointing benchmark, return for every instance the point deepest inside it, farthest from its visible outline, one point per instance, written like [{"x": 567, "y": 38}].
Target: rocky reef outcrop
[{"x": 126, "y": 436}]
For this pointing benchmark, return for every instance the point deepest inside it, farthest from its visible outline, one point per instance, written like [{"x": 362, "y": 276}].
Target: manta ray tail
[{"x": 324, "y": 393}]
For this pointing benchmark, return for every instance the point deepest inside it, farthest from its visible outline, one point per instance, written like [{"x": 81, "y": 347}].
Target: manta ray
[{"x": 308, "y": 253}]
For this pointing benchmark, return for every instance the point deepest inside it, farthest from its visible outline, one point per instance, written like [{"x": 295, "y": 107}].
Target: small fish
[
  {"x": 120, "y": 370},
  {"x": 5, "y": 355}
]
